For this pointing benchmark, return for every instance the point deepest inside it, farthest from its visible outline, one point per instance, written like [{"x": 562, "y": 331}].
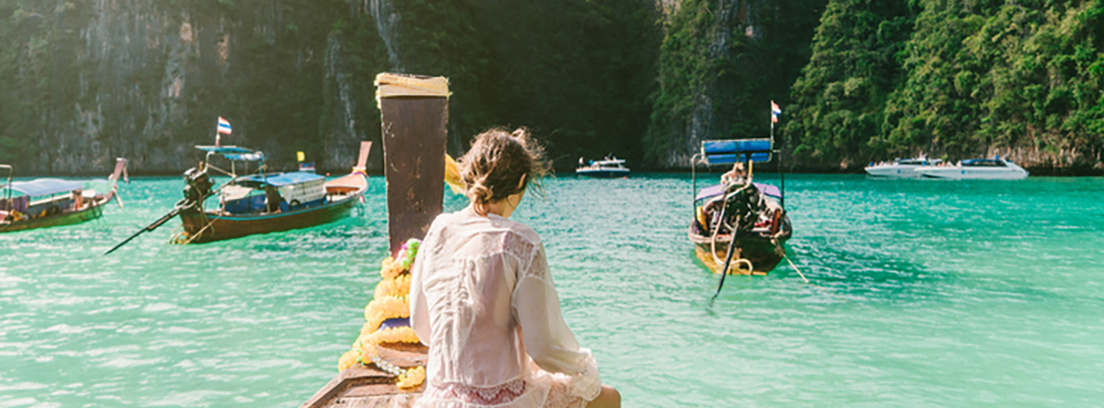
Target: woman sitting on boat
[{"x": 482, "y": 296}]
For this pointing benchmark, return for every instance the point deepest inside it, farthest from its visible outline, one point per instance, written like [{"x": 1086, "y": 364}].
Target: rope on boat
[
  {"x": 795, "y": 268},
  {"x": 717, "y": 228},
  {"x": 742, "y": 261},
  {"x": 200, "y": 232}
]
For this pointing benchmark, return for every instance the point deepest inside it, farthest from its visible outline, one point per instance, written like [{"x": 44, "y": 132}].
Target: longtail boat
[
  {"x": 258, "y": 203},
  {"x": 264, "y": 202},
  {"x": 51, "y": 202},
  {"x": 738, "y": 209}
]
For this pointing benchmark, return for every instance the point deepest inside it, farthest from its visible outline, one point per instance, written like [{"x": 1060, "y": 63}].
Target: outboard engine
[
  {"x": 197, "y": 185},
  {"x": 745, "y": 205}
]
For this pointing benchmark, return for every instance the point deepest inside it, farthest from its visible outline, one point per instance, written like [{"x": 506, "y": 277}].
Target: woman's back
[
  {"x": 482, "y": 297},
  {"x": 470, "y": 265}
]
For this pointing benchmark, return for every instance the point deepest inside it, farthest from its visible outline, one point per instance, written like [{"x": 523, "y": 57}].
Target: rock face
[
  {"x": 717, "y": 109},
  {"x": 147, "y": 80}
]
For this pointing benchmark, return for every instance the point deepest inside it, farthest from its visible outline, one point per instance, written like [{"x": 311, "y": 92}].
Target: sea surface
[{"x": 921, "y": 293}]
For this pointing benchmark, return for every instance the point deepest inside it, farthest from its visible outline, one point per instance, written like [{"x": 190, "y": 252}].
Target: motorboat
[
  {"x": 608, "y": 167},
  {"x": 976, "y": 169},
  {"x": 901, "y": 168}
]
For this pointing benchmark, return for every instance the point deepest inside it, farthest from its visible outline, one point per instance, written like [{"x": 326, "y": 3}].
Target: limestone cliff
[
  {"x": 721, "y": 63},
  {"x": 146, "y": 80}
]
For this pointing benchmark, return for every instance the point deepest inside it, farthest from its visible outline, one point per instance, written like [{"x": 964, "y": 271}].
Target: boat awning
[
  {"x": 713, "y": 191},
  {"x": 224, "y": 149},
  {"x": 233, "y": 152},
  {"x": 285, "y": 179},
  {"x": 43, "y": 187},
  {"x": 736, "y": 150}
]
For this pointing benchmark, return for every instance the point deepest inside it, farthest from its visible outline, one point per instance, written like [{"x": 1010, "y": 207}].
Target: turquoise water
[{"x": 924, "y": 293}]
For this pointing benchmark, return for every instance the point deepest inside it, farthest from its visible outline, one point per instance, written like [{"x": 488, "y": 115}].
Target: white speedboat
[
  {"x": 901, "y": 168},
  {"x": 976, "y": 169},
  {"x": 604, "y": 168}
]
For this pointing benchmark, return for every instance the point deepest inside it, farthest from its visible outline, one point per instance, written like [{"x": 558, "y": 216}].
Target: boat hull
[
  {"x": 893, "y": 171},
  {"x": 209, "y": 226},
  {"x": 974, "y": 173},
  {"x": 603, "y": 173},
  {"x": 763, "y": 251},
  {"x": 89, "y": 213}
]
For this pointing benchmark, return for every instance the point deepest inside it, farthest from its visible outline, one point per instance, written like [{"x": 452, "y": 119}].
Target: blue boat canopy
[
  {"x": 736, "y": 150},
  {"x": 44, "y": 187},
  {"x": 224, "y": 149},
  {"x": 233, "y": 152},
  {"x": 280, "y": 180},
  {"x": 255, "y": 156}
]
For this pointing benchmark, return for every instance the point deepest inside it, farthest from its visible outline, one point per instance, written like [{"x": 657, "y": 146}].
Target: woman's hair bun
[
  {"x": 479, "y": 192},
  {"x": 497, "y": 163}
]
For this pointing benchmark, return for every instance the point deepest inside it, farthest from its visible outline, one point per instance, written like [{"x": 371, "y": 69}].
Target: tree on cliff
[
  {"x": 953, "y": 79},
  {"x": 721, "y": 62},
  {"x": 838, "y": 101}
]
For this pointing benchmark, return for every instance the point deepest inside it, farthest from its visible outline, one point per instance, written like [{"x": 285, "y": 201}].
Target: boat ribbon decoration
[
  {"x": 452, "y": 176},
  {"x": 390, "y": 85},
  {"x": 390, "y": 301}
]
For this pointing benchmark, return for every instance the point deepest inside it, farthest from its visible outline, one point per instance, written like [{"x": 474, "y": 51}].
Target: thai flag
[
  {"x": 224, "y": 126},
  {"x": 775, "y": 111}
]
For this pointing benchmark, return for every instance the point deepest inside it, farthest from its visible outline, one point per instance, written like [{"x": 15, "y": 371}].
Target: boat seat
[{"x": 736, "y": 150}]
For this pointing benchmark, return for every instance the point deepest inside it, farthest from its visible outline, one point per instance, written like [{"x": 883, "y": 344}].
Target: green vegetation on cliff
[
  {"x": 954, "y": 79},
  {"x": 721, "y": 63},
  {"x": 83, "y": 81}
]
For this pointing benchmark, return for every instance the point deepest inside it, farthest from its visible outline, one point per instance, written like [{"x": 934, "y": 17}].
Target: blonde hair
[{"x": 497, "y": 162}]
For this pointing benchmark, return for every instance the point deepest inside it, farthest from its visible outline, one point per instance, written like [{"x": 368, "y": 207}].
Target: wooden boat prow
[
  {"x": 413, "y": 120},
  {"x": 364, "y": 386}
]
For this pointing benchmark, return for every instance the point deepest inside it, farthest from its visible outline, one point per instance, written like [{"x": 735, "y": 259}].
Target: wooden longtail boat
[
  {"x": 264, "y": 202},
  {"x": 51, "y": 202},
  {"x": 741, "y": 208}
]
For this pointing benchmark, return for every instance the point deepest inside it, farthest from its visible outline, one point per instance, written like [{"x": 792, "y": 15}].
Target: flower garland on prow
[{"x": 390, "y": 301}]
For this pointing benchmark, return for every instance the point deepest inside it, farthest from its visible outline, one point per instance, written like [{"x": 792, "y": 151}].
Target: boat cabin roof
[
  {"x": 919, "y": 161},
  {"x": 984, "y": 163},
  {"x": 610, "y": 163},
  {"x": 278, "y": 179},
  {"x": 44, "y": 187}
]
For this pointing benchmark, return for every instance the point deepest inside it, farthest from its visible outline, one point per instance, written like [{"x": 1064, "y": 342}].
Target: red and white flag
[{"x": 224, "y": 126}]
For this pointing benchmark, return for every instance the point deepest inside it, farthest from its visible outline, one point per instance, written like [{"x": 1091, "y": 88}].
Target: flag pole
[{"x": 781, "y": 158}]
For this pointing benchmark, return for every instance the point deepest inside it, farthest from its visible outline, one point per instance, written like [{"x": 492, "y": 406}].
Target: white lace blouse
[{"x": 482, "y": 299}]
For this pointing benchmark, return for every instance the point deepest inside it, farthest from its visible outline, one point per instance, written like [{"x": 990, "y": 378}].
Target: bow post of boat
[{"x": 414, "y": 116}]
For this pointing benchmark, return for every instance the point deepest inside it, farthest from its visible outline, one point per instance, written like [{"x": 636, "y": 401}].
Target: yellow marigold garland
[
  {"x": 390, "y": 301},
  {"x": 412, "y": 378},
  {"x": 397, "y": 287},
  {"x": 381, "y": 309}
]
